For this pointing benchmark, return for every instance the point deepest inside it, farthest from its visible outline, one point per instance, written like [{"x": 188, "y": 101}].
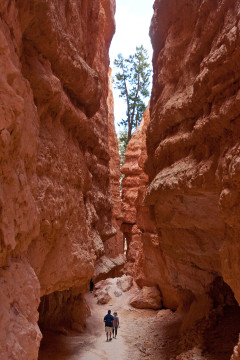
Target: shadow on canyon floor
[{"x": 156, "y": 331}]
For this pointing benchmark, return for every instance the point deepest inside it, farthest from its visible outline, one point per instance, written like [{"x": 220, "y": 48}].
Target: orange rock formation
[
  {"x": 137, "y": 222},
  {"x": 192, "y": 140},
  {"x": 56, "y": 193},
  {"x": 146, "y": 261},
  {"x": 192, "y": 159}
]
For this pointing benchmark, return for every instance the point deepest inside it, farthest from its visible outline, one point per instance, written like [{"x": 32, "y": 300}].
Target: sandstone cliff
[
  {"x": 55, "y": 197},
  {"x": 146, "y": 260},
  {"x": 193, "y": 147},
  {"x": 181, "y": 208},
  {"x": 114, "y": 246},
  {"x": 137, "y": 222}
]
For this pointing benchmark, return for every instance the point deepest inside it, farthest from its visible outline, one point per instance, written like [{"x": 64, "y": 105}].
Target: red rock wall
[
  {"x": 146, "y": 261},
  {"x": 114, "y": 246},
  {"x": 136, "y": 217},
  {"x": 193, "y": 142},
  {"x": 56, "y": 197}
]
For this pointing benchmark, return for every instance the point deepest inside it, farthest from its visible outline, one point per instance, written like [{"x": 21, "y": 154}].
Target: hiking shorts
[{"x": 108, "y": 329}]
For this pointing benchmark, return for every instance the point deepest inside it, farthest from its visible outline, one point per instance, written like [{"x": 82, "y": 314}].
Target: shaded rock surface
[
  {"x": 147, "y": 298},
  {"x": 191, "y": 140},
  {"x": 56, "y": 204},
  {"x": 191, "y": 162},
  {"x": 146, "y": 261},
  {"x": 114, "y": 245},
  {"x": 193, "y": 151},
  {"x": 136, "y": 216}
]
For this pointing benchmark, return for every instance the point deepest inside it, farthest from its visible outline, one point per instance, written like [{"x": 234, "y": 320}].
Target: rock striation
[
  {"x": 191, "y": 140},
  {"x": 136, "y": 217},
  {"x": 56, "y": 207},
  {"x": 146, "y": 261},
  {"x": 192, "y": 160},
  {"x": 114, "y": 246}
]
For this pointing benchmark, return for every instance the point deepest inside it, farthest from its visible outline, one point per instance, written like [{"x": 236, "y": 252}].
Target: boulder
[
  {"x": 103, "y": 298},
  {"x": 147, "y": 298},
  {"x": 125, "y": 283},
  {"x": 117, "y": 293}
]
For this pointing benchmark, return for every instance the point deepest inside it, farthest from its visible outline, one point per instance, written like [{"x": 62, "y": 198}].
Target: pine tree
[{"x": 132, "y": 80}]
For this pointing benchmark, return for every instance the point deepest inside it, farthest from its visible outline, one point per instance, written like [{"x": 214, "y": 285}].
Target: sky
[{"x": 133, "y": 19}]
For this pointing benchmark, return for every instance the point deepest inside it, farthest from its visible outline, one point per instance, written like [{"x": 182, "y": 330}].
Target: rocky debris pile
[{"x": 105, "y": 290}]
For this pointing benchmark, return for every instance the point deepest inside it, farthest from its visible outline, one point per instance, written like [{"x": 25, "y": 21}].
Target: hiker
[
  {"x": 91, "y": 285},
  {"x": 115, "y": 323},
  {"x": 108, "y": 319}
]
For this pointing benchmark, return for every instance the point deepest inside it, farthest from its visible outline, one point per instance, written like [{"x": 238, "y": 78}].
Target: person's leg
[
  {"x": 110, "y": 335},
  {"x": 116, "y": 331}
]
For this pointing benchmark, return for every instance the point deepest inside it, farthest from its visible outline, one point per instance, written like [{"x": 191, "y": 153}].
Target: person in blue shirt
[{"x": 108, "y": 319}]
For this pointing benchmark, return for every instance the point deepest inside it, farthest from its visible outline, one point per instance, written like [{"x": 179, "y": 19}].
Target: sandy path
[{"x": 156, "y": 333}]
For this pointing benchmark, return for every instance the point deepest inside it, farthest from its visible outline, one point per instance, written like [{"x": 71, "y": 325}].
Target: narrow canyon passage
[
  {"x": 143, "y": 333},
  {"x": 63, "y": 216}
]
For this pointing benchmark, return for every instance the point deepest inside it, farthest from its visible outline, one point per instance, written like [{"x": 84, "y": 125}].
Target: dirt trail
[{"x": 157, "y": 332}]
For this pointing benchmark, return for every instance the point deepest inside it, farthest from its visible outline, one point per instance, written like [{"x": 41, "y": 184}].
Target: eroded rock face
[
  {"x": 146, "y": 261},
  {"x": 114, "y": 246},
  {"x": 192, "y": 159},
  {"x": 136, "y": 217},
  {"x": 193, "y": 149},
  {"x": 236, "y": 352},
  {"x": 191, "y": 140},
  {"x": 56, "y": 197},
  {"x": 147, "y": 298}
]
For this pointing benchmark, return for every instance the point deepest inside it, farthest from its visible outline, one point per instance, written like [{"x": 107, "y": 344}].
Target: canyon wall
[
  {"x": 146, "y": 260},
  {"x": 193, "y": 147},
  {"x": 56, "y": 207}
]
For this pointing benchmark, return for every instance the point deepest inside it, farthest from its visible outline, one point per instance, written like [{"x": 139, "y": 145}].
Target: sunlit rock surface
[
  {"x": 192, "y": 161},
  {"x": 133, "y": 192},
  {"x": 56, "y": 193},
  {"x": 146, "y": 261},
  {"x": 192, "y": 140}
]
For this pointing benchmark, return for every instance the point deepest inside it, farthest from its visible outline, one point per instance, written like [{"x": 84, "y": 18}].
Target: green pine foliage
[{"x": 132, "y": 80}]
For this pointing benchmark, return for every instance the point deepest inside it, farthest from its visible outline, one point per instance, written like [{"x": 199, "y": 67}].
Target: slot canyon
[{"x": 65, "y": 216}]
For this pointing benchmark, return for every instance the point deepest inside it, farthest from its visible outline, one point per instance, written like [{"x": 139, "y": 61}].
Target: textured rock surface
[
  {"x": 56, "y": 196},
  {"x": 236, "y": 352},
  {"x": 114, "y": 246},
  {"x": 147, "y": 298},
  {"x": 192, "y": 141},
  {"x": 103, "y": 298},
  {"x": 64, "y": 310},
  {"x": 146, "y": 261},
  {"x": 192, "y": 161},
  {"x": 136, "y": 217},
  {"x": 19, "y": 299},
  {"x": 125, "y": 283}
]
